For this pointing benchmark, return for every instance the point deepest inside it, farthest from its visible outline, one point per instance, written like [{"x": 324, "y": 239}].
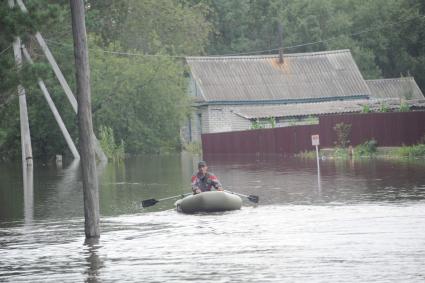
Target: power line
[
  {"x": 117, "y": 52},
  {"x": 240, "y": 53},
  {"x": 7, "y": 48}
]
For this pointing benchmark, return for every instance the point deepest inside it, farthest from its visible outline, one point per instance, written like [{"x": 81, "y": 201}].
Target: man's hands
[{"x": 198, "y": 191}]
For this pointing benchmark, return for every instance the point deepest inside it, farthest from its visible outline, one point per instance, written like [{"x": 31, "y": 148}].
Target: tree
[{"x": 143, "y": 99}]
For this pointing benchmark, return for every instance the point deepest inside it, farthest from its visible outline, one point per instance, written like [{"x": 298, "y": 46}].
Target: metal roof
[
  {"x": 307, "y": 109},
  {"x": 403, "y": 88},
  {"x": 303, "y": 76}
]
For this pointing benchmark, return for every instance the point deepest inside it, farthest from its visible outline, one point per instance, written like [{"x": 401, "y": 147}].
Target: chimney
[{"x": 280, "y": 36}]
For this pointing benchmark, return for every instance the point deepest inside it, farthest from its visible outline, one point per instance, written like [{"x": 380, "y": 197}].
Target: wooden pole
[
  {"x": 85, "y": 126},
  {"x": 54, "y": 110},
  {"x": 23, "y": 110},
  {"x": 98, "y": 150}
]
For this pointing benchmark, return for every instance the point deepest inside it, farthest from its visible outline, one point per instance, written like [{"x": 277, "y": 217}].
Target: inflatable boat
[{"x": 209, "y": 202}]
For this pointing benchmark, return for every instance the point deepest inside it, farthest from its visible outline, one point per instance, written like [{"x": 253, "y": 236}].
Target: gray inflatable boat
[{"x": 209, "y": 202}]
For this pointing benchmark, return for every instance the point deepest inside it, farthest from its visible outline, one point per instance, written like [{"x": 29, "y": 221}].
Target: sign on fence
[{"x": 315, "y": 140}]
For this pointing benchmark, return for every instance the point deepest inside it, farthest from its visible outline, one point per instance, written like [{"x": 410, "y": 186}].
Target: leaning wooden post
[
  {"x": 23, "y": 111},
  {"x": 85, "y": 125},
  {"x": 68, "y": 92},
  {"x": 53, "y": 108}
]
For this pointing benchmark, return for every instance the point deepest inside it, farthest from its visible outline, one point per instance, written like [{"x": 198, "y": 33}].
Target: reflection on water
[
  {"x": 362, "y": 220},
  {"x": 94, "y": 263},
  {"x": 28, "y": 181}
]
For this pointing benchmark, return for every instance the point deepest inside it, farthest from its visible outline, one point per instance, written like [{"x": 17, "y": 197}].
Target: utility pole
[
  {"x": 23, "y": 110},
  {"x": 56, "y": 70},
  {"x": 85, "y": 124}
]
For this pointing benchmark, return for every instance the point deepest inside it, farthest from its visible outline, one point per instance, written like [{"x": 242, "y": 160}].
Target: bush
[
  {"x": 256, "y": 125},
  {"x": 193, "y": 147},
  {"x": 404, "y": 107},
  {"x": 306, "y": 154},
  {"x": 342, "y": 134},
  {"x": 411, "y": 151},
  {"x": 341, "y": 153},
  {"x": 367, "y": 148},
  {"x": 384, "y": 108},
  {"x": 107, "y": 142},
  {"x": 366, "y": 108}
]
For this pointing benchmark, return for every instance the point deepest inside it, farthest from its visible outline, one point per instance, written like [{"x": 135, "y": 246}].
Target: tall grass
[
  {"x": 368, "y": 148},
  {"x": 413, "y": 151},
  {"x": 113, "y": 151}
]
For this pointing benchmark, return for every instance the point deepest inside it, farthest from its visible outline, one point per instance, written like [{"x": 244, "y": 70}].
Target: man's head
[{"x": 202, "y": 167}]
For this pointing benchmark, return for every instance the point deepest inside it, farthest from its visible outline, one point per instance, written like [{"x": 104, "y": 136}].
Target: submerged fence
[{"x": 388, "y": 129}]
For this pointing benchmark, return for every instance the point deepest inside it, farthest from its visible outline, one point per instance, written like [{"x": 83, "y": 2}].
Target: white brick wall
[{"x": 222, "y": 119}]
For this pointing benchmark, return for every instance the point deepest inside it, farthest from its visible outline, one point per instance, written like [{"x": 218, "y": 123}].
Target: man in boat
[{"x": 203, "y": 180}]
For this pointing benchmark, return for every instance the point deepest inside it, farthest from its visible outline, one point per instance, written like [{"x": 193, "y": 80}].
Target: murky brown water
[{"x": 365, "y": 222}]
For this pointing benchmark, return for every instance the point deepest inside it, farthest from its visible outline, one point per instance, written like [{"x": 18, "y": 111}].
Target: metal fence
[{"x": 388, "y": 129}]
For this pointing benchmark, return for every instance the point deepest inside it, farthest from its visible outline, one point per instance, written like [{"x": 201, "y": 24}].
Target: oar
[
  {"x": 252, "y": 198},
  {"x": 152, "y": 201}
]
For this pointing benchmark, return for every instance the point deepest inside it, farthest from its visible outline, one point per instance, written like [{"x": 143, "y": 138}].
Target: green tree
[
  {"x": 143, "y": 99},
  {"x": 150, "y": 26}
]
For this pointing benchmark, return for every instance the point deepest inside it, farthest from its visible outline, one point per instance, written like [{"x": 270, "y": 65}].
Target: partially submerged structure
[{"x": 237, "y": 93}]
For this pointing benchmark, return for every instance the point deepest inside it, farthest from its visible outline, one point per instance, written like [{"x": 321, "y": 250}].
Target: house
[{"x": 235, "y": 93}]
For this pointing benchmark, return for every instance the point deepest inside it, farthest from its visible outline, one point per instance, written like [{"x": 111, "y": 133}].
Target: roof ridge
[
  {"x": 239, "y": 57},
  {"x": 392, "y": 79}
]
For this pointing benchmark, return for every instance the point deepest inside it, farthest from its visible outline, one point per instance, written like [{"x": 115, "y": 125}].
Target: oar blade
[
  {"x": 253, "y": 198},
  {"x": 149, "y": 202}
]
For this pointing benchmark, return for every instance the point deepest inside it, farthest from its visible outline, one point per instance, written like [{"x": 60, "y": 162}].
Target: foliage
[
  {"x": 404, "y": 107},
  {"x": 342, "y": 134},
  {"x": 256, "y": 124},
  {"x": 341, "y": 153},
  {"x": 306, "y": 154},
  {"x": 383, "y": 107},
  {"x": 413, "y": 151},
  {"x": 311, "y": 120},
  {"x": 385, "y": 36},
  {"x": 368, "y": 148},
  {"x": 262, "y": 124},
  {"x": 366, "y": 108},
  {"x": 193, "y": 147},
  {"x": 272, "y": 122},
  {"x": 150, "y": 26},
  {"x": 142, "y": 99},
  {"x": 112, "y": 150}
]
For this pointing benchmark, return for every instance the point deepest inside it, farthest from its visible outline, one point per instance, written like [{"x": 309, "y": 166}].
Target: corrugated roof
[
  {"x": 307, "y": 109},
  {"x": 403, "y": 88},
  {"x": 302, "y": 76}
]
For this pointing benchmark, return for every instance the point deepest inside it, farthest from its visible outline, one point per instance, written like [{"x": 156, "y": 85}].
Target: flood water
[{"x": 363, "y": 222}]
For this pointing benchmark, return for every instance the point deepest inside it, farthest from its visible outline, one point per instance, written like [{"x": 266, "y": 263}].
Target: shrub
[
  {"x": 411, "y": 151},
  {"x": 194, "y": 147},
  {"x": 342, "y": 134},
  {"x": 404, "y": 107},
  {"x": 367, "y": 148},
  {"x": 384, "y": 108},
  {"x": 306, "y": 154},
  {"x": 256, "y": 125},
  {"x": 272, "y": 122},
  {"x": 107, "y": 142}
]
